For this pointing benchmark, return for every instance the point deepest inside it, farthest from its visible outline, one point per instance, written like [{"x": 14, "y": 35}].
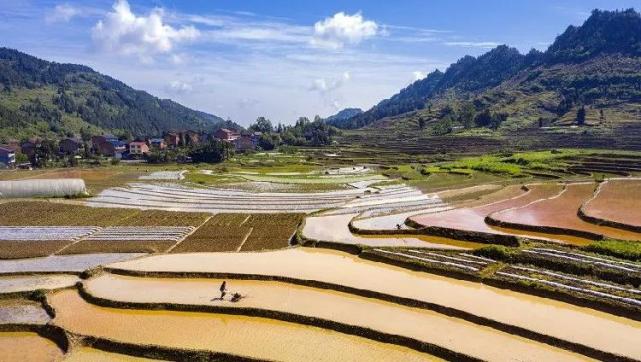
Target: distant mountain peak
[
  {"x": 342, "y": 116},
  {"x": 604, "y": 32}
]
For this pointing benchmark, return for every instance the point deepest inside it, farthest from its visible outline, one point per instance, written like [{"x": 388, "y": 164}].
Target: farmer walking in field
[{"x": 223, "y": 289}]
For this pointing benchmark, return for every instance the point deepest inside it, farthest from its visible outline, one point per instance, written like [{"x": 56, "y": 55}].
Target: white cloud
[
  {"x": 322, "y": 85},
  {"x": 123, "y": 32},
  {"x": 418, "y": 75},
  {"x": 472, "y": 44},
  {"x": 328, "y": 89},
  {"x": 336, "y": 31},
  {"x": 178, "y": 86},
  {"x": 62, "y": 13}
]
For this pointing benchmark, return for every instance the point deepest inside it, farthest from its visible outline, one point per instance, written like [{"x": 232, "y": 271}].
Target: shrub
[
  {"x": 630, "y": 250},
  {"x": 496, "y": 252}
]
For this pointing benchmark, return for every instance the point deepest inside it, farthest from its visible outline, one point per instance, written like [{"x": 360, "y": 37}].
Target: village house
[
  {"x": 29, "y": 147},
  {"x": 157, "y": 143},
  {"x": 191, "y": 138},
  {"x": 225, "y": 134},
  {"x": 247, "y": 142},
  {"x": 172, "y": 139},
  {"x": 69, "y": 146},
  {"x": 7, "y": 157},
  {"x": 138, "y": 148},
  {"x": 108, "y": 146}
]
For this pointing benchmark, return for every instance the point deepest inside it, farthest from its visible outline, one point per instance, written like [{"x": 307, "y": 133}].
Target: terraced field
[
  {"x": 558, "y": 215},
  {"x": 423, "y": 279},
  {"x": 241, "y": 232},
  {"x": 615, "y": 203},
  {"x": 346, "y": 273}
]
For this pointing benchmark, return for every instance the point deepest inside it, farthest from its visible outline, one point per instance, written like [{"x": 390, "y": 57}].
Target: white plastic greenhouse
[{"x": 42, "y": 188}]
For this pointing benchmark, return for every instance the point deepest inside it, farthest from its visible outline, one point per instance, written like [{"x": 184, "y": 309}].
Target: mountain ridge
[
  {"x": 608, "y": 35},
  {"x": 49, "y": 99}
]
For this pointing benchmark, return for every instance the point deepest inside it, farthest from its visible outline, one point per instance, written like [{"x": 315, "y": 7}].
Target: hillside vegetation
[
  {"x": 41, "y": 98},
  {"x": 593, "y": 69}
]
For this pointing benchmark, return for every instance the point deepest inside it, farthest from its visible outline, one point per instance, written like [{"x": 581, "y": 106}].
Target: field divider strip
[
  {"x": 188, "y": 234},
  {"x": 359, "y": 331},
  {"x": 96, "y": 230},
  {"x": 438, "y": 308},
  {"x": 251, "y": 229}
]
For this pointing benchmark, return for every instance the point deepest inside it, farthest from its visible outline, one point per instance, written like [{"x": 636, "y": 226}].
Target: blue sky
[{"x": 280, "y": 59}]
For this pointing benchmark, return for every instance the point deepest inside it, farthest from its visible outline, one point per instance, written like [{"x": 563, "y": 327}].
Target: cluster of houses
[{"x": 112, "y": 146}]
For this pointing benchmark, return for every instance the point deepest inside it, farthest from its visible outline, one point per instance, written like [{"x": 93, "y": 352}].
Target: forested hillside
[
  {"x": 41, "y": 98},
  {"x": 593, "y": 69}
]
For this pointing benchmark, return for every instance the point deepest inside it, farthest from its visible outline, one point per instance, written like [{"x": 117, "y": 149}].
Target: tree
[
  {"x": 442, "y": 127},
  {"x": 268, "y": 142},
  {"x": 483, "y": 118},
  {"x": 85, "y": 134},
  {"x": 263, "y": 125},
  {"x": 212, "y": 152},
  {"x": 580, "y": 116},
  {"x": 466, "y": 115},
  {"x": 421, "y": 122},
  {"x": 497, "y": 120},
  {"x": 44, "y": 153}
]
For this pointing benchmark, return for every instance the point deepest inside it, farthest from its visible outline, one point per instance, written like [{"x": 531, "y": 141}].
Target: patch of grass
[
  {"x": 30, "y": 249},
  {"x": 496, "y": 252},
  {"x": 42, "y": 213},
  {"x": 117, "y": 246},
  {"x": 630, "y": 250}
]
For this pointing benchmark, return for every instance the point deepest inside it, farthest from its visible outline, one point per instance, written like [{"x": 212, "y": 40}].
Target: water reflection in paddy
[
  {"x": 21, "y": 311},
  {"x": 21, "y": 283},
  {"x": 561, "y": 212},
  {"x": 27, "y": 346},
  {"x": 334, "y": 228},
  {"x": 238, "y": 335},
  {"x": 330, "y": 305},
  {"x": 582, "y": 325}
]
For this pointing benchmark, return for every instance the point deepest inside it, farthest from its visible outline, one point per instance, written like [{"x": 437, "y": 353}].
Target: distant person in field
[{"x": 223, "y": 289}]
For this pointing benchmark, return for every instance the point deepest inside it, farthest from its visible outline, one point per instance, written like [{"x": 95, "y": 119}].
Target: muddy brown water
[
  {"x": 562, "y": 320},
  {"x": 21, "y": 311},
  {"x": 334, "y": 228},
  {"x": 561, "y": 212},
  {"x": 237, "y": 335},
  {"x": 62, "y": 263},
  {"x": 330, "y": 305},
  {"x": 618, "y": 201},
  {"x": 22, "y": 283},
  {"x": 27, "y": 346},
  {"x": 473, "y": 219}
]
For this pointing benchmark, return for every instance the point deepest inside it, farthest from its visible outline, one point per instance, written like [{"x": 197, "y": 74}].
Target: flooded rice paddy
[
  {"x": 334, "y": 228},
  {"x": 23, "y": 283},
  {"x": 236, "y": 335},
  {"x": 423, "y": 325},
  {"x": 62, "y": 263},
  {"x": 561, "y": 212},
  {"x": 27, "y": 346},
  {"x": 473, "y": 219},
  {"x": 84, "y": 354},
  {"x": 565, "y": 321},
  {"x": 618, "y": 201},
  {"x": 21, "y": 311}
]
